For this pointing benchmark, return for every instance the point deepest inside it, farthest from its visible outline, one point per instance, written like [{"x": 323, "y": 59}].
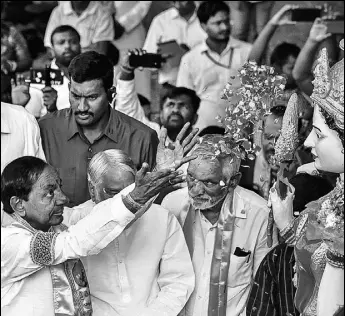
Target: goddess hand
[{"x": 282, "y": 209}]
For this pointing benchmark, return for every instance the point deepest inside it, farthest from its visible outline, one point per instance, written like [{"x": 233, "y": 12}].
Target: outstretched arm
[
  {"x": 261, "y": 43},
  {"x": 302, "y": 71}
]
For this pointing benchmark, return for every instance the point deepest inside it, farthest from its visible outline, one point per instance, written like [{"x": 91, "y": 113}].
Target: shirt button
[
  {"x": 120, "y": 261},
  {"x": 199, "y": 297},
  {"x": 90, "y": 149},
  {"x": 126, "y": 298}
]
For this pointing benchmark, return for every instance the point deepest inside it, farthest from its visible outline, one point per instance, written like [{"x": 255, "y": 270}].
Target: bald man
[{"x": 225, "y": 229}]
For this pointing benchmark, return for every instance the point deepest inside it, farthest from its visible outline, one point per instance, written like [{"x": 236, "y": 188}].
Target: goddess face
[{"x": 326, "y": 145}]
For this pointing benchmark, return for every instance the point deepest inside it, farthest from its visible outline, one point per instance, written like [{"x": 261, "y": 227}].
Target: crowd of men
[{"x": 141, "y": 198}]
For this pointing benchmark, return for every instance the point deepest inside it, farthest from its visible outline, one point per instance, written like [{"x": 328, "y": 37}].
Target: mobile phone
[
  {"x": 305, "y": 14},
  {"x": 148, "y": 60},
  {"x": 46, "y": 76}
]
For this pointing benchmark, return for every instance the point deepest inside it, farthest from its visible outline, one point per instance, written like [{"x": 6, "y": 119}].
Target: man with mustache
[
  {"x": 179, "y": 105},
  {"x": 225, "y": 229},
  {"x": 71, "y": 137},
  {"x": 207, "y": 68},
  {"x": 65, "y": 43}
]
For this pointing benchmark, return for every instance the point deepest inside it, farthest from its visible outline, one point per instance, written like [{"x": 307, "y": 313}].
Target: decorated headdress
[{"x": 328, "y": 90}]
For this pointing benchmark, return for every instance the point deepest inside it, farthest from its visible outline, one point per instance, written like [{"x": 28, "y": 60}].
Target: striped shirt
[{"x": 273, "y": 291}]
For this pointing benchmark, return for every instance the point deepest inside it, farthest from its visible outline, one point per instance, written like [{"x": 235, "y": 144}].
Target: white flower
[{"x": 331, "y": 220}]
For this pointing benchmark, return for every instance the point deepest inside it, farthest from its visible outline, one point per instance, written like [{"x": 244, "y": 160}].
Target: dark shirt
[
  {"x": 273, "y": 291},
  {"x": 68, "y": 150}
]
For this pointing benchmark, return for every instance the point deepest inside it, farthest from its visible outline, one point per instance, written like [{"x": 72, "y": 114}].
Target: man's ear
[
  {"x": 235, "y": 180},
  {"x": 18, "y": 206},
  {"x": 92, "y": 191}
]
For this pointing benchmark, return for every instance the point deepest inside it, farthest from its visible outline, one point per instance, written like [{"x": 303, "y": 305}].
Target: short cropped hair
[
  {"x": 92, "y": 66},
  {"x": 282, "y": 52},
  {"x": 230, "y": 163},
  {"x": 109, "y": 159},
  {"x": 18, "y": 178},
  {"x": 175, "y": 92},
  {"x": 64, "y": 29},
  {"x": 208, "y": 9}
]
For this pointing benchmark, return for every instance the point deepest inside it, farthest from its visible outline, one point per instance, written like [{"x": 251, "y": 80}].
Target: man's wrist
[
  {"x": 130, "y": 204},
  {"x": 335, "y": 258}
]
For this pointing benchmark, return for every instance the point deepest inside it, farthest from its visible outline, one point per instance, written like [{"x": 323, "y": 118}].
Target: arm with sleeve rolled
[
  {"x": 127, "y": 100},
  {"x": 176, "y": 275},
  {"x": 134, "y": 16},
  {"x": 24, "y": 253},
  {"x": 302, "y": 71},
  {"x": 261, "y": 43}
]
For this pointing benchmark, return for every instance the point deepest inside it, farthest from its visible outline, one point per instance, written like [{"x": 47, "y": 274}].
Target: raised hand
[
  {"x": 282, "y": 16},
  {"x": 318, "y": 31},
  {"x": 282, "y": 209},
  {"x": 174, "y": 155},
  {"x": 50, "y": 96},
  {"x": 20, "y": 91},
  {"x": 149, "y": 184}
]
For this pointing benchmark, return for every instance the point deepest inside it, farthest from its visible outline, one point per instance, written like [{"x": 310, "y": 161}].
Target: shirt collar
[
  {"x": 109, "y": 131},
  {"x": 68, "y": 10},
  {"x": 233, "y": 43}
]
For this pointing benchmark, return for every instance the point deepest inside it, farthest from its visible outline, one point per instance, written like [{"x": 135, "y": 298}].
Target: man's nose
[
  {"x": 83, "y": 106},
  {"x": 62, "y": 199},
  {"x": 197, "y": 189}
]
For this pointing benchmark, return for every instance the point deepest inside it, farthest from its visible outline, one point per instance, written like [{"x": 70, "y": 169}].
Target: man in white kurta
[{"x": 147, "y": 270}]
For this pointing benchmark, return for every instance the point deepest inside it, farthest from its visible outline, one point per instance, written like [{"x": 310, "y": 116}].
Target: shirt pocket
[
  {"x": 240, "y": 271},
  {"x": 68, "y": 177}
]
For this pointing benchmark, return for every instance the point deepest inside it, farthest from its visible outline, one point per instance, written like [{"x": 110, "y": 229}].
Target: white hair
[{"x": 108, "y": 159}]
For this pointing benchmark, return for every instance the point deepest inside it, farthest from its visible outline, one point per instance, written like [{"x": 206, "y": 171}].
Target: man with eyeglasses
[{"x": 225, "y": 229}]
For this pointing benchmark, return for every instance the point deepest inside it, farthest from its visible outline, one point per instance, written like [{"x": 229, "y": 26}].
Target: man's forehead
[
  {"x": 87, "y": 87},
  {"x": 48, "y": 176}
]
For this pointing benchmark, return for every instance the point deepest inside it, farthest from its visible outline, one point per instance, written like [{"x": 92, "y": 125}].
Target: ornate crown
[{"x": 328, "y": 90}]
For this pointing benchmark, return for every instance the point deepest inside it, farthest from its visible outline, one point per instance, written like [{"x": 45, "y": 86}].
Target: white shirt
[
  {"x": 167, "y": 26},
  {"x": 127, "y": 102},
  {"x": 199, "y": 73},
  {"x": 94, "y": 25},
  {"x": 250, "y": 233},
  {"x": 35, "y": 105},
  {"x": 146, "y": 271},
  {"x": 26, "y": 287},
  {"x": 20, "y": 134}
]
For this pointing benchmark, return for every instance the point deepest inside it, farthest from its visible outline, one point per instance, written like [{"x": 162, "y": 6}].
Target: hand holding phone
[
  {"x": 46, "y": 76},
  {"x": 50, "y": 96},
  {"x": 140, "y": 58}
]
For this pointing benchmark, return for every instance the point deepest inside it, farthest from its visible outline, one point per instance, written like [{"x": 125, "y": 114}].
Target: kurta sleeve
[{"x": 24, "y": 253}]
